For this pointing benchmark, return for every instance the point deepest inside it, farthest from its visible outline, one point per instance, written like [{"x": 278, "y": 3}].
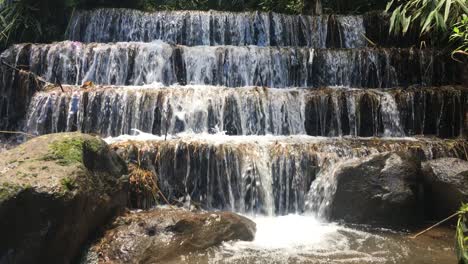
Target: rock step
[
  {"x": 259, "y": 174},
  {"x": 114, "y": 111},
  {"x": 193, "y": 28},
  {"x": 145, "y": 63}
]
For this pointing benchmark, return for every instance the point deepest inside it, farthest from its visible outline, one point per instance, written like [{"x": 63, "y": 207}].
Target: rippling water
[{"x": 303, "y": 239}]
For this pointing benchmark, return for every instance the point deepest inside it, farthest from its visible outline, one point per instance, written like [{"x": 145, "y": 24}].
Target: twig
[
  {"x": 17, "y": 132},
  {"x": 29, "y": 72},
  {"x": 369, "y": 40},
  {"x": 437, "y": 224},
  {"x": 164, "y": 198}
]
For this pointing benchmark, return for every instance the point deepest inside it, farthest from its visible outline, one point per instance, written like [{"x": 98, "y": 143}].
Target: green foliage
[
  {"x": 8, "y": 190},
  {"x": 460, "y": 35},
  {"x": 462, "y": 235},
  {"x": 33, "y": 20},
  {"x": 435, "y": 17},
  {"x": 67, "y": 184},
  {"x": 18, "y": 20}
]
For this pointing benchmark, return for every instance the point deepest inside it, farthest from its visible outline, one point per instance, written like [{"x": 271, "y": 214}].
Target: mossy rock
[{"x": 55, "y": 190}]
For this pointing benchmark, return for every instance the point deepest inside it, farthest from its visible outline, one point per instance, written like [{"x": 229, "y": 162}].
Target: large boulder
[
  {"x": 383, "y": 189},
  {"x": 55, "y": 190},
  {"x": 160, "y": 235},
  {"x": 446, "y": 182}
]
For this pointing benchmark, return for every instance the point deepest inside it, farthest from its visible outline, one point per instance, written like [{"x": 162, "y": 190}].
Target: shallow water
[{"x": 303, "y": 239}]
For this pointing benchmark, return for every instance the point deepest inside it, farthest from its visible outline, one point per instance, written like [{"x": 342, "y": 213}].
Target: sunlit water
[{"x": 303, "y": 239}]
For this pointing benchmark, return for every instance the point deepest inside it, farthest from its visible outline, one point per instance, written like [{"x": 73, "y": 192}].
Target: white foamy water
[
  {"x": 293, "y": 232},
  {"x": 221, "y": 137},
  {"x": 304, "y": 239}
]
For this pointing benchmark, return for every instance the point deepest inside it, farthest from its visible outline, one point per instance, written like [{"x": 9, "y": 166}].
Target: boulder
[
  {"x": 162, "y": 234},
  {"x": 446, "y": 185},
  {"x": 384, "y": 189},
  {"x": 55, "y": 190}
]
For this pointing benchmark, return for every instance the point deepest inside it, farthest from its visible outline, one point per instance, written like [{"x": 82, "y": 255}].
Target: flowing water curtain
[
  {"x": 213, "y": 28},
  {"x": 437, "y": 111},
  {"x": 126, "y": 64}
]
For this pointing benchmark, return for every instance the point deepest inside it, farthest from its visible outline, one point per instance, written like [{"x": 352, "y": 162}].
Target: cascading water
[
  {"x": 258, "y": 169},
  {"x": 127, "y": 63},
  {"x": 249, "y": 111},
  {"x": 217, "y": 141},
  {"x": 214, "y": 28}
]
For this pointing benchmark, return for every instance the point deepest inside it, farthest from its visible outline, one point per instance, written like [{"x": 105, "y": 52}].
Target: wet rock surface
[
  {"x": 383, "y": 189},
  {"x": 160, "y": 235},
  {"x": 446, "y": 182},
  {"x": 55, "y": 190}
]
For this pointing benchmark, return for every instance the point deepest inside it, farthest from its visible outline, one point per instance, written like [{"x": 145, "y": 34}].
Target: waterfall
[
  {"x": 127, "y": 63},
  {"x": 260, "y": 109},
  {"x": 270, "y": 175},
  {"x": 390, "y": 116},
  {"x": 247, "y": 111},
  {"x": 193, "y": 28}
]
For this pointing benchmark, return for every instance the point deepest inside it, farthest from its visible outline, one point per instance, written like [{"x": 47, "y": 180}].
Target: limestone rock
[
  {"x": 384, "y": 189},
  {"x": 162, "y": 234},
  {"x": 55, "y": 190}
]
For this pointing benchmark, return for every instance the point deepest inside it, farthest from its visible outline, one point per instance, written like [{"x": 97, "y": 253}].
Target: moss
[
  {"x": 8, "y": 190},
  {"x": 68, "y": 184},
  {"x": 66, "y": 152},
  {"x": 95, "y": 145},
  {"x": 69, "y": 151}
]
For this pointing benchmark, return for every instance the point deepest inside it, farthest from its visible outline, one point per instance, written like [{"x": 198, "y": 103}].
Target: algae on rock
[{"x": 55, "y": 191}]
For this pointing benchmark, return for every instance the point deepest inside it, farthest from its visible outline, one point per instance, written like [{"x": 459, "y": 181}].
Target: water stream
[
  {"x": 303, "y": 239},
  {"x": 249, "y": 112}
]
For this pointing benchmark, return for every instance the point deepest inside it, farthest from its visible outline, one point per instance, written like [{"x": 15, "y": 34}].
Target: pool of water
[{"x": 303, "y": 239}]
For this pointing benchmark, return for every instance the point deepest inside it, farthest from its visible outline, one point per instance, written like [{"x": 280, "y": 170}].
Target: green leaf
[
  {"x": 428, "y": 22},
  {"x": 447, "y": 10}
]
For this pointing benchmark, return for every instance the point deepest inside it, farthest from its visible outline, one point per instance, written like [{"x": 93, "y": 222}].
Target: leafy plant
[
  {"x": 460, "y": 35},
  {"x": 462, "y": 235},
  {"x": 16, "y": 20},
  {"x": 430, "y": 16}
]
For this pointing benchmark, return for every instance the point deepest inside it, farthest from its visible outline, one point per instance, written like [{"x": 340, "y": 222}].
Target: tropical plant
[
  {"x": 460, "y": 35},
  {"x": 18, "y": 19},
  {"x": 462, "y": 235},
  {"x": 435, "y": 17}
]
